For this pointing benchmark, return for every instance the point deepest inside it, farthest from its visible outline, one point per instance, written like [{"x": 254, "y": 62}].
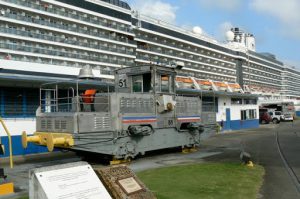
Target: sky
[{"x": 274, "y": 23}]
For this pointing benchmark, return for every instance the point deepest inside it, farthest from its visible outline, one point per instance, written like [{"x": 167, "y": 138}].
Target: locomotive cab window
[
  {"x": 141, "y": 83},
  {"x": 137, "y": 84},
  {"x": 166, "y": 85}
]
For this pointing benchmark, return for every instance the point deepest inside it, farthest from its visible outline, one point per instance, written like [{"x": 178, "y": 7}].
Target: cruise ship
[{"x": 51, "y": 40}]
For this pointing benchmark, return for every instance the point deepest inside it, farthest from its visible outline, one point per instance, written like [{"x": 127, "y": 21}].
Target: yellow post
[{"x": 9, "y": 143}]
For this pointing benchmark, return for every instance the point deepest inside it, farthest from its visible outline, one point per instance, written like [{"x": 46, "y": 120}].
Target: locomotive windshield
[
  {"x": 165, "y": 83},
  {"x": 141, "y": 83}
]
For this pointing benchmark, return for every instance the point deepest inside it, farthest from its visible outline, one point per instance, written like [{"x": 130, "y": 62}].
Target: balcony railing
[
  {"x": 46, "y": 51},
  {"x": 68, "y": 28},
  {"x": 79, "y": 16},
  {"x": 67, "y": 41}
]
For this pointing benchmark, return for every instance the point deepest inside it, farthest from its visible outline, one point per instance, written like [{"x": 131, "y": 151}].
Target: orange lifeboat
[
  {"x": 235, "y": 87},
  {"x": 221, "y": 85},
  {"x": 205, "y": 84},
  {"x": 185, "y": 82}
]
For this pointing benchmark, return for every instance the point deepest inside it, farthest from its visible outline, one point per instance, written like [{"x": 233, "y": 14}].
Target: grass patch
[
  {"x": 208, "y": 180},
  {"x": 205, "y": 180}
]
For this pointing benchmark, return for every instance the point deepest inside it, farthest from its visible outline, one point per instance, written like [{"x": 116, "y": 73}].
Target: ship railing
[
  {"x": 70, "y": 41},
  {"x": 90, "y": 19},
  {"x": 90, "y": 57}
]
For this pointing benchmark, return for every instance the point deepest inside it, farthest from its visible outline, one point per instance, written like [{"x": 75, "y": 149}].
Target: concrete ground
[{"x": 281, "y": 165}]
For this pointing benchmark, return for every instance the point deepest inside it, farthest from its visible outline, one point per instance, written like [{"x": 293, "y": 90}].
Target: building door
[{"x": 228, "y": 119}]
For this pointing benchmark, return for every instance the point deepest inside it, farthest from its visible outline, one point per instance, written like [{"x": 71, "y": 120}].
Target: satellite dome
[
  {"x": 229, "y": 35},
  {"x": 197, "y": 30}
]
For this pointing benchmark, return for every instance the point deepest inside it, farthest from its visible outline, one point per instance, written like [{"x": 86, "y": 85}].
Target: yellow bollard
[{"x": 250, "y": 164}]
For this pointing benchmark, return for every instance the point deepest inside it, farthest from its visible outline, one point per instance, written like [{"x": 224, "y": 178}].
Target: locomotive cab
[
  {"x": 154, "y": 80},
  {"x": 146, "y": 79}
]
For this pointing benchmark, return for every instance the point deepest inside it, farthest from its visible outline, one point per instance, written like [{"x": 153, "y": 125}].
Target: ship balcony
[
  {"x": 79, "y": 16},
  {"x": 39, "y": 58},
  {"x": 70, "y": 28},
  {"x": 191, "y": 57},
  {"x": 184, "y": 47},
  {"x": 118, "y": 49},
  {"x": 61, "y": 53}
]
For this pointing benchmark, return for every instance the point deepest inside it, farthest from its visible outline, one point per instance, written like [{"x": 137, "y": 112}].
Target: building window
[
  {"x": 250, "y": 101},
  {"x": 236, "y": 101},
  {"x": 249, "y": 114},
  {"x": 17, "y": 102}
]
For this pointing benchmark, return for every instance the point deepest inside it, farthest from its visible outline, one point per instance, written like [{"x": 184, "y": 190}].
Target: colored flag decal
[
  {"x": 146, "y": 119},
  {"x": 189, "y": 119}
]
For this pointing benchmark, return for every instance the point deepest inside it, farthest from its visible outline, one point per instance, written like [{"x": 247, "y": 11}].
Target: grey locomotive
[{"x": 142, "y": 114}]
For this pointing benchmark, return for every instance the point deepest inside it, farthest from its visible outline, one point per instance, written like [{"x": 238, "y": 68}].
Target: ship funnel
[{"x": 86, "y": 73}]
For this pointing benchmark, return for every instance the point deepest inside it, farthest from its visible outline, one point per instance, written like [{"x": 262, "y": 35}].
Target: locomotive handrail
[
  {"x": 65, "y": 104},
  {"x": 69, "y": 102}
]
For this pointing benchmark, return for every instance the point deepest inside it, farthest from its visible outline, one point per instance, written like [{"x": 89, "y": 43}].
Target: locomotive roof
[{"x": 143, "y": 69}]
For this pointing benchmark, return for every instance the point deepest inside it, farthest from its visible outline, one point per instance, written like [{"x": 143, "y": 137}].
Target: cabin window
[
  {"x": 141, "y": 83},
  {"x": 147, "y": 83},
  {"x": 165, "y": 83},
  {"x": 137, "y": 84}
]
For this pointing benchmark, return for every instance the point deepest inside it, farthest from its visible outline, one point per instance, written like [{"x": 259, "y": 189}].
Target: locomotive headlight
[{"x": 170, "y": 106}]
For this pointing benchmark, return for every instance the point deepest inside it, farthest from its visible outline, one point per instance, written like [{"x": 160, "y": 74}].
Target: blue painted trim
[
  {"x": 227, "y": 123},
  {"x": 18, "y": 149},
  {"x": 241, "y": 124}
]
